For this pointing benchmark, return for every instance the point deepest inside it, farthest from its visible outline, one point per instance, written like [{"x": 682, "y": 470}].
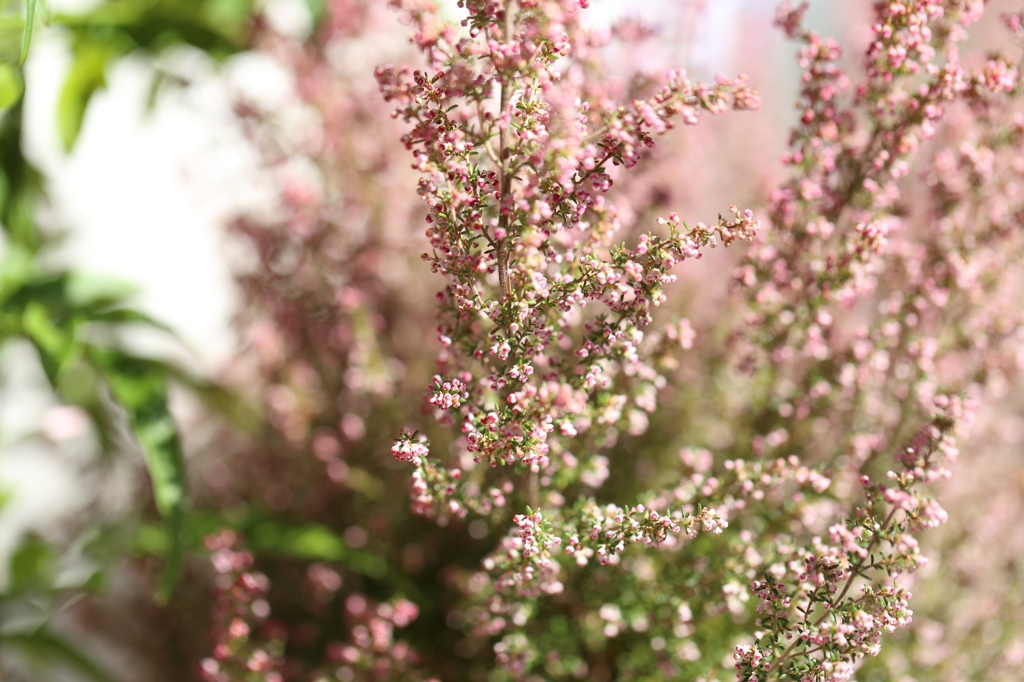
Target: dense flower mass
[
  {"x": 515, "y": 180},
  {"x": 240, "y": 608},
  {"x": 617, "y": 483},
  {"x": 517, "y": 163}
]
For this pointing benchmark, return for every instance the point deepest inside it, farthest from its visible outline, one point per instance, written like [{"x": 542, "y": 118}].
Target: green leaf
[
  {"x": 141, "y": 389},
  {"x": 48, "y": 648},
  {"x": 218, "y": 27},
  {"x": 10, "y": 86},
  {"x": 87, "y": 75},
  {"x": 127, "y": 316},
  {"x": 91, "y": 289},
  {"x": 151, "y": 539},
  {"x": 32, "y": 566},
  {"x": 56, "y": 345},
  {"x": 26, "y": 36},
  {"x": 279, "y": 537},
  {"x": 243, "y": 412},
  {"x": 310, "y": 542},
  {"x": 79, "y": 383},
  {"x": 232, "y": 15},
  {"x": 15, "y": 269}
]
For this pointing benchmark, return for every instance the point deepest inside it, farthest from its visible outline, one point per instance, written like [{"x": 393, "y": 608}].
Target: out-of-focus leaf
[
  {"x": 127, "y": 316},
  {"x": 74, "y": 296},
  {"x": 314, "y": 542},
  {"x": 15, "y": 269},
  {"x": 23, "y": 185},
  {"x": 242, "y": 412},
  {"x": 152, "y": 539},
  {"x": 11, "y": 30},
  {"x": 306, "y": 541},
  {"x": 270, "y": 536},
  {"x": 141, "y": 389},
  {"x": 64, "y": 301},
  {"x": 89, "y": 289},
  {"x": 316, "y": 9},
  {"x": 30, "y": 19},
  {"x": 49, "y": 649},
  {"x": 5, "y": 185},
  {"x": 32, "y": 566},
  {"x": 365, "y": 483},
  {"x": 56, "y": 345},
  {"x": 79, "y": 384},
  {"x": 232, "y": 15},
  {"x": 218, "y": 27},
  {"x": 10, "y": 86},
  {"x": 311, "y": 542},
  {"x": 87, "y": 75},
  {"x": 156, "y": 84}
]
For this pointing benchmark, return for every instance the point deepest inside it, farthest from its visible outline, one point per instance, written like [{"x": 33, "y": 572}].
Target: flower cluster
[
  {"x": 373, "y": 654},
  {"x": 805, "y": 605},
  {"x": 240, "y": 610},
  {"x": 448, "y": 395},
  {"x": 515, "y": 187}
]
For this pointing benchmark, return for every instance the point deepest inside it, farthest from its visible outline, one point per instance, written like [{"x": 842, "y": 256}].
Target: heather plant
[
  {"x": 612, "y": 473},
  {"x": 505, "y": 200}
]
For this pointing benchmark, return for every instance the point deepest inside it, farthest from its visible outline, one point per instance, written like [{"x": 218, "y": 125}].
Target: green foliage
[
  {"x": 140, "y": 386},
  {"x": 65, "y": 315},
  {"x": 59, "y": 311},
  {"x": 11, "y": 87},
  {"x": 46, "y": 649},
  {"x": 115, "y": 29},
  {"x": 17, "y": 21},
  {"x": 268, "y": 536},
  {"x": 21, "y": 188},
  {"x": 53, "y": 314},
  {"x": 33, "y": 567},
  {"x": 30, "y": 20},
  {"x": 30, "y": 600},
  {"x": 86, "y": 76}
]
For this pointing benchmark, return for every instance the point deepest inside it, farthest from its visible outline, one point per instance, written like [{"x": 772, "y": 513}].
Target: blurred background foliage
[{"x": 73, "y": 321}]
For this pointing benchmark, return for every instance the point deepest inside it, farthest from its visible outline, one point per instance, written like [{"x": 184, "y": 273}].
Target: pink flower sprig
[
  {"x": 525, "y": 562},
  {"x": 802, "y": 591},
  {"x": 524, "y": 571},
  {"x": 702, "y": 503},
  {"x": 246, "y": 649},
  {"x": 969, "y": 275},
  {"x": 833, "y": 219},
  {"x": 611, "y": 528},
  {"x": 372, "y": 652},
  {"x": 434, "y": 489},
  {"x": 852, "y": 296},
  {"x": 240, "y": 651},
  {"x": 516, "y": 167},
  {"x": 629, "y": 130},
  {"x": 448, "y": 395},
  {"x": 810, "y": 626}
]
